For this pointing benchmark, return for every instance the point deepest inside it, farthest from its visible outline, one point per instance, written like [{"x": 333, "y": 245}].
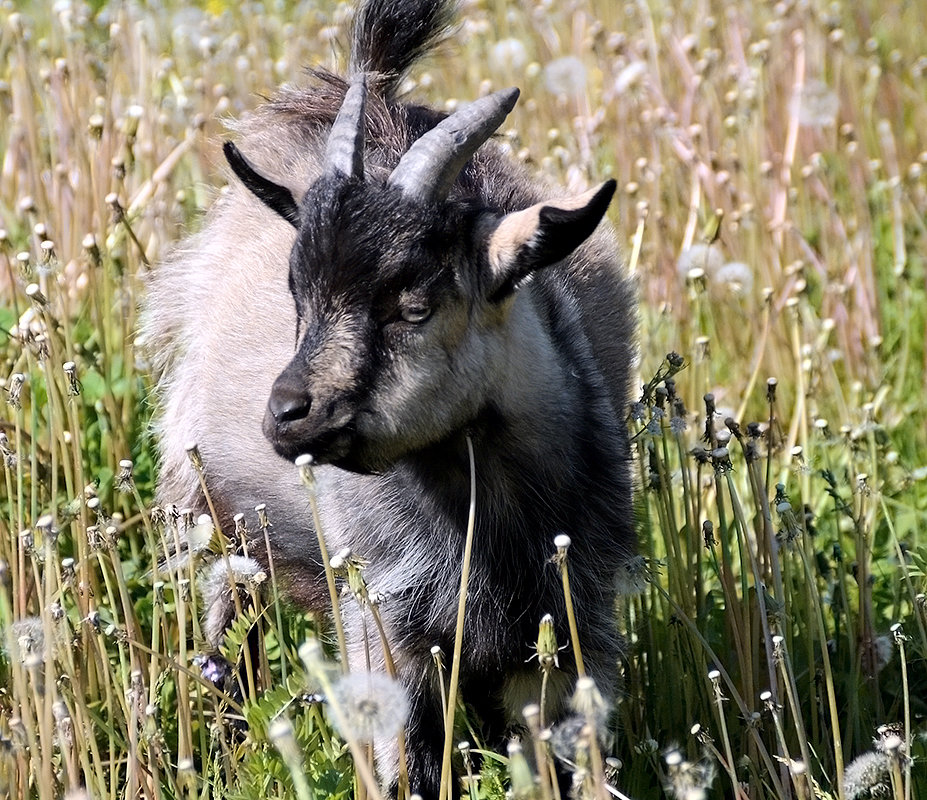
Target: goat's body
[{"x": 550, "y": 446}]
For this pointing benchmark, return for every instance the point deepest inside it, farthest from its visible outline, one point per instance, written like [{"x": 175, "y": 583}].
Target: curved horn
[
  {"x": 344, "y": 150},
  {"x": 431, "y": 165}
]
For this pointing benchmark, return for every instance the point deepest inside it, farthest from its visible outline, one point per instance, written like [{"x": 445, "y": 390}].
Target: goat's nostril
[{"x": 288, "y": 403}]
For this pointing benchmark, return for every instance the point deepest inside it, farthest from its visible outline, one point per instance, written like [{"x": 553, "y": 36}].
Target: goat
[{"x": 434, "y": 293}]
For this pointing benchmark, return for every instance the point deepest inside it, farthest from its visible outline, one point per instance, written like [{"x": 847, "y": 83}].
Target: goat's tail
[{"x": 389, "y": 36}]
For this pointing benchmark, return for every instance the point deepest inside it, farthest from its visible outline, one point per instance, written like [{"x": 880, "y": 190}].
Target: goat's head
[{"x": 402, "y": 295}]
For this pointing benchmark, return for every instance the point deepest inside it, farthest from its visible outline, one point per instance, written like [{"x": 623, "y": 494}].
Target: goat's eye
[{"x": 415, "y": 314}]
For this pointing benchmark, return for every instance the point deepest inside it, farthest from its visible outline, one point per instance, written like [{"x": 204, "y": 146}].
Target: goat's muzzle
[{"x": 295, "y": 422}]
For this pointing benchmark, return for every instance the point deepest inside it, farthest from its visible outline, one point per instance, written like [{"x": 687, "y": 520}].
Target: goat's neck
[
  {"x": 538, "y": 389},
  {"x": 543, "y": 408}
]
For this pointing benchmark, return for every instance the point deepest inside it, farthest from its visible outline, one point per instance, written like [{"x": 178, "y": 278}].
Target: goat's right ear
[
  {"x": 275, "y": 197},
  {"x": 541, "y": 235}
]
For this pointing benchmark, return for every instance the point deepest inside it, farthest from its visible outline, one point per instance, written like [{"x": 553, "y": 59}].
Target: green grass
[{"x": 777, "y": 558}]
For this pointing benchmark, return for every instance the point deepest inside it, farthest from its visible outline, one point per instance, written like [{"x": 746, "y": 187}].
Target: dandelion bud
[
  {"x": 588, "y": 701},
  {"x": 522, "y": 781},
  {"x": 547, "y": 644},
  {"x": 283, "y": 738},
  {"x": 708, "y": 534},
  {"x": 312, "y": 655},
  {"x": 193, "y": 453}
]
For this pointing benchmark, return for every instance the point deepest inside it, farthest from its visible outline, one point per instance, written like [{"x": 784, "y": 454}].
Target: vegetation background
[{"x": 771, "y": 160}]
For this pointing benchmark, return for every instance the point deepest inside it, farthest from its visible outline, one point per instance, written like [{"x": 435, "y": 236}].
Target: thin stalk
[{"x": 444, "y": 791}]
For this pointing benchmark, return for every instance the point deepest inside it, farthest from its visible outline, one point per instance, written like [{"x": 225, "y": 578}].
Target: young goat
[{"x": 433, "y": 294}]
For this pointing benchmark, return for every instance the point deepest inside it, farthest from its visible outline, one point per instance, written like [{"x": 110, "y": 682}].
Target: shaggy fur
[{"x": 529, "y": 359}]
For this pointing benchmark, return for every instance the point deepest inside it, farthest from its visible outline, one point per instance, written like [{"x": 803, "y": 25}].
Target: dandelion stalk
[
  {"x": 562, "y": 543},
  {"x": 444, "y": 791},
  {"x": 304, "y": 464}
]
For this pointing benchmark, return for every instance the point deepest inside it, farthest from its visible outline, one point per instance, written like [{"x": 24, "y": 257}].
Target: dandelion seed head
[
  {"x": 508, "y": 55},
  {"x": 565, "y": 76},
  {"x": 632, "y": 576},
  {"x": 372, "y": 705},
  {"x": 815, "y": 104},
  {"x": 706, "y": 257},
  {"x": 199, "y": 535},
  {"x": 735, "y": 276},
  {"x": 587, "y": 700},
  {"x": 883, "y": 647},
  {"x": 219, "y": 576},
  {"x": 868, "y": 776},
  {"x": 687, "y": 780},
  {"x": 25, "y": 639}
]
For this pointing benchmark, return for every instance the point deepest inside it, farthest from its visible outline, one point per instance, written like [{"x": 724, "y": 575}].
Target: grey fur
[{"x": 536, "y": 374}]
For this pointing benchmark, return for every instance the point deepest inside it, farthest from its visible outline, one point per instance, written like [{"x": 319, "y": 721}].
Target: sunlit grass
[{"x": 772, "y": 200}]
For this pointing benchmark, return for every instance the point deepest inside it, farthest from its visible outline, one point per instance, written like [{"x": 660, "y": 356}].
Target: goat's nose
[{"x": 288, "y": 401}]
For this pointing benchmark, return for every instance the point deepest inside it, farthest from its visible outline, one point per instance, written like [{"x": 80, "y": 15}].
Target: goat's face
[
  {"x": 403, "y": 297},
  {"x": 394, "y": 338}
]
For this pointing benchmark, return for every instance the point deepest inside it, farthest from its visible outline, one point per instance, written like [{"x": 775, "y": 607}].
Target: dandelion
[
  {"x": 883, "y": 647},
  {"x": 25, "y": 640},
  {"x": 546, "y": 647},
  {"x": 235, "y": 571},
  {"x": 735, "y": 276},
  {"x": 815, "y": 104},
  {"x": 687, "y": 780},
  {"x": 372, "y": 706},
  {"x": 565, "y": 76},
  {"x": 587, "y": 700},
  {"x": 632, "y": 576},
  {"x": 868, "y": 776},
  {"x": 124, "y": 477},
  {"x": 522, "y": 781},
  {"x": 706, "y": 257},
  {"x": 508, "y": 55},
  {"x": 199, "y": 535}
]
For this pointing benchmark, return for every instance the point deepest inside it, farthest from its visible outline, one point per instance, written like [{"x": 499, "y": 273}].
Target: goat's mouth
[{"x": 328, "y": 447}]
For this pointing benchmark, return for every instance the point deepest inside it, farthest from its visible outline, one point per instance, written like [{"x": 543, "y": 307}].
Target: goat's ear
[
  {"x": 275, "y": 197},
  {"x": 542, "y": 235}
]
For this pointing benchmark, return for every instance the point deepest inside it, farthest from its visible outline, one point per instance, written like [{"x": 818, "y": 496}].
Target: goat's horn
[
  {"x": 431, "y": 165},
  {"x": 344, "y": 150}
]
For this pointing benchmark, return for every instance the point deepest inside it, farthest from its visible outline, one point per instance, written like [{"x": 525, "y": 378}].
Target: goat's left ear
[
  {"x": 276, "y": 197},
  {"x": 542, "y": 235}
]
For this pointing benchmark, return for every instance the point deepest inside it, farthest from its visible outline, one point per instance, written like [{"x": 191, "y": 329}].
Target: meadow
[{"x": 772, "y": 168}]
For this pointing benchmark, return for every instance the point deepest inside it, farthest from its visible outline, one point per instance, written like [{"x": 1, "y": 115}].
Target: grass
[{"x": 771, "y": 159}]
